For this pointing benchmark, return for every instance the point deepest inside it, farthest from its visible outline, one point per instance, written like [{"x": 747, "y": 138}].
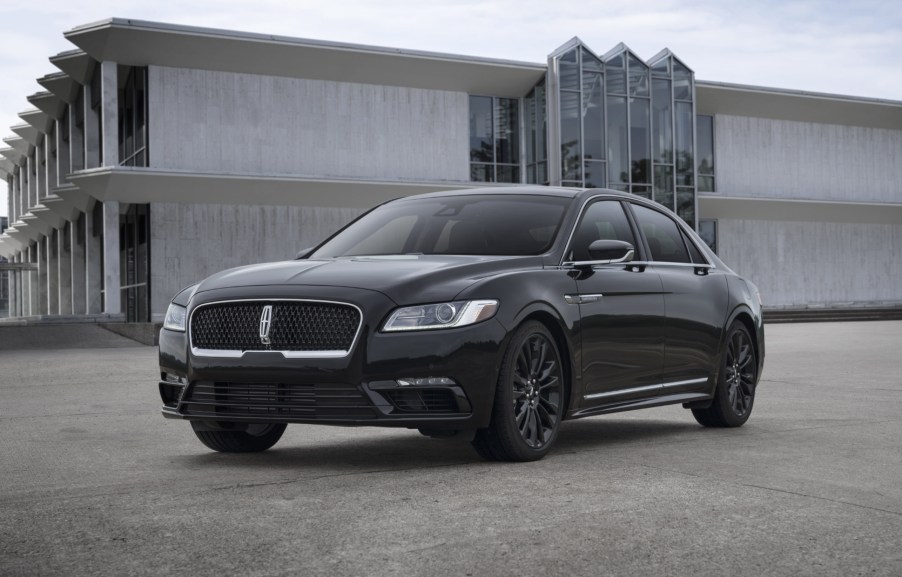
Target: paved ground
[{"x": 94, "y": 482}]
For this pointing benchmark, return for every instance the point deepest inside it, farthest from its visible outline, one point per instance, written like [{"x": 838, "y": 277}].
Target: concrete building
[{"x": 159, "y": 154}]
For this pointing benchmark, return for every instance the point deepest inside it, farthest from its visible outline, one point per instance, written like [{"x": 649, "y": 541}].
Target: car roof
[{"x": 527, "y": 190}]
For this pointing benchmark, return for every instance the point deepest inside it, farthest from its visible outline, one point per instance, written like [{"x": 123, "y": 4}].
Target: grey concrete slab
[{"x": 94, "y": 482}]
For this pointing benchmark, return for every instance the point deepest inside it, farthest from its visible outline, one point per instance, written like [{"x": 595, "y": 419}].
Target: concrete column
[
  {"x": 62, "y": 152},
  {"x": 12, "y": 286},
  {"x": 34, "y": 300},
  {"x": 53, "y": 294},
  {"x": 29, "y": 167},
  {"x": 112, "y": 297},
  {"x": 50, "y": 142},
  {"x": 42, "y": 284},
  {"x": 93, "y": 270},
  {"x": 92, "y": 132},
  {"x": 77, "y": 264},
  {"x": 40, "y": 162},
  {"x": 64, "y": 268},
  {"x": 76, "y": 143},
  {"x": 109, "y": 88}
]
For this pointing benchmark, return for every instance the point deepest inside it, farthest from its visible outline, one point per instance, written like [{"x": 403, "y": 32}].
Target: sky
[{"x": 838, "y": 47}]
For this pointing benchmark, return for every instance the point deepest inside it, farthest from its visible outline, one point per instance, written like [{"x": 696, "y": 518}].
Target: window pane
[
  {"x": 616, "y": 72},
  {"x": 707, "y": 229},
  {"x": 571, "y": 156},
  {"x": 661, "y": 67},
  {"x": 529, "y": 112},
  {"x": 603, "y": 220},
  {"x": 664, "y": 186},
  {"x": 507, "y": 173},
  {"x": 593, "y": 116},
  {"x": 541, "y": 123},
  {"x": 684, "y": 126},
  {"x": 663, "y": 235},
  {"x": 542, "y": 173},
  {"x": 507, "y": 131},
  {"x": 643, "y": 191},
  {"x": 591, "y": 63},
  {"x": 706, "y": 184},
  {"x": 569, "y": 71},
  {"x": 638, "y": 74},
  {"x": 682, "y": 82},
  {"x": 618, "y": 159},
  {"x": 686, "y": 206},
  {"x": 662, "y": 120},
  {"x": 694, "y": 253},
  {"x": 482, "y": 172},
  {"x": 640, "y": 141},
  {"x": 705, "y": 143},
  {"x": 595, "y": 173},
  {"x": 481, "y": 148}
]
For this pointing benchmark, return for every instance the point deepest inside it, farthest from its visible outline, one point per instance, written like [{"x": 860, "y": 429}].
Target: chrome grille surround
[{"x": 247, "y": 313}]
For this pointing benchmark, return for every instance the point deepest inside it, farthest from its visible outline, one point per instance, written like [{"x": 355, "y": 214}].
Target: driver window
[{"x": 603, "y": 220}]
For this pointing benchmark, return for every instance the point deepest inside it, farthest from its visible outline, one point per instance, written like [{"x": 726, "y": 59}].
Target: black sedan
[{"x": 495, "y": 313}]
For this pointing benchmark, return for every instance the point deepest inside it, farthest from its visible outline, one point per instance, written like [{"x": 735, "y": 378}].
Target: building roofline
[{"x": 799, "y": 93}]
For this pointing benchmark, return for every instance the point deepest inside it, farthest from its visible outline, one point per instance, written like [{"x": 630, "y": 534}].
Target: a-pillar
[
  {"x": 93, "y": 260},
  {"x": 77, "y": 242},
  {"x": 64, "y": 268}
]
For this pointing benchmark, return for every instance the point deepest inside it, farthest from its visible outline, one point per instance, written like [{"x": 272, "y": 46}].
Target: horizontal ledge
[{"x": 797, "y": 210}]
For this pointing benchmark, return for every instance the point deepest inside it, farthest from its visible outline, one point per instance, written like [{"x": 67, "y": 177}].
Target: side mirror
[
  {"x": 304, "y": 253},
  {"x": 611, "y": 251}
]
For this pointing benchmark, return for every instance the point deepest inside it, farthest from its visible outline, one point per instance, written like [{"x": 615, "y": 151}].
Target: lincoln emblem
[{"x": 265, "y": 323}]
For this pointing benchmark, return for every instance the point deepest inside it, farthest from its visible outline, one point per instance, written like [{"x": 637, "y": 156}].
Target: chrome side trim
[
  {"x": 582, "y": 299},
  {"x": 661, "y": 386},
  {"x": 233, "y": 354}
]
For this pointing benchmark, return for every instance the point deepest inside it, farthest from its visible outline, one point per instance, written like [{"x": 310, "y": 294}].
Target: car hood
[{"x": 405, "y": 279}]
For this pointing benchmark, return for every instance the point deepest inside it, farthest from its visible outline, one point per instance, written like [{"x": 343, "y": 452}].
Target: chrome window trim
[
  {"x": 232, "y": 354},
  {"x": 579, "y": 218},
  {"x": 659, "y": 386}
]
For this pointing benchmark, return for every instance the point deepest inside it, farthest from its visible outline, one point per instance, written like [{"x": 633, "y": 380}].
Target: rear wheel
[
  {"x": 734, "y": 395},
  {"x": 253, "y": 439},
  {"x": 528, "y": 399}
]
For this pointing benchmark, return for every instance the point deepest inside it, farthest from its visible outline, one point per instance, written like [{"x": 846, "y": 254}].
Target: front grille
[
  {"x": 284, "y": 400},
  {"x": 297, "y": 326},
  {"x": 423, "y": 400}
]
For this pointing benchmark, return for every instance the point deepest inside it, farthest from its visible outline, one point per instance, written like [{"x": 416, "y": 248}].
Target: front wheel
[
  {"x": 738, "y": 376},
  {"x": 528, "y": 399},
  {"x": 253, "y": 439}
]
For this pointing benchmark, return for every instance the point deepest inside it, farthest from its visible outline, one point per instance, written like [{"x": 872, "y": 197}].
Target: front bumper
[{"x": 449, "y": 379}]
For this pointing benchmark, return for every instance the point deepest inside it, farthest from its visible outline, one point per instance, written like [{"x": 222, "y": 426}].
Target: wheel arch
[
  {"x": 744, "y": 316},
  {"x": 555, "y": 326}
]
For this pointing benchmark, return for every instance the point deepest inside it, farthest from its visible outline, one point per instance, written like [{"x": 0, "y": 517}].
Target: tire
[
  {"x": 253, "y": 440},
  {"x": 734, "y": 395},
  {"x": 529, "y": 396}
]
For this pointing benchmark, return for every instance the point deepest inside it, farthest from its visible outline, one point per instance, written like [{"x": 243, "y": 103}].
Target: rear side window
[
  {"x": 603, "y": 220},
  {"x": 662, "y": 234}
]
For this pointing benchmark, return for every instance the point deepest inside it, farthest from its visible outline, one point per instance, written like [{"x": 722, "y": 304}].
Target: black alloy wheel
[
  {"x": 735, "y": 392},
  {"x": 528, "y": 401},
  {"x": 255, "y": 438}
]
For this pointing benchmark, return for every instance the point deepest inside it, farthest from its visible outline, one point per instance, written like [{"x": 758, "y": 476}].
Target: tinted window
[
  {"x": 603, "y": 220},
  {"x": 663, "y": 235},
  {"x": 483, "y": 225}
]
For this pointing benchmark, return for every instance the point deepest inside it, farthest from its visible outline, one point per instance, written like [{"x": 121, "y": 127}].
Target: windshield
[{"x": 471, "y": 225}]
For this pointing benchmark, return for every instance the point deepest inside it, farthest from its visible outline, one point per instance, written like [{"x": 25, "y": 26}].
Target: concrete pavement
[{"x": 93, "y": 481}]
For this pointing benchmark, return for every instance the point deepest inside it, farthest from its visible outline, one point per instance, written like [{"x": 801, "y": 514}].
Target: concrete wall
[
  {"x": 760, "y": 157},
  {"x": 813, "y": 263},
  {"x": 191, "y": 241},
  {"x": 245, "y": 123}
]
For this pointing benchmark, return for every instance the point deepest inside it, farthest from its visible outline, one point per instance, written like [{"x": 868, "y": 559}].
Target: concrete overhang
[
  {"x": 76, "y": 64},
  {"x": 48, "y": 103},
  {"x": 49, "y": 217},
  {"x": 143, "y": 185},
  {"x": 12, "y": 155},
  {"x": 741, "y": 208},
  {"x": 64, "y": 207},
  {"x": 739, "y": 100},
  {"x": 62, "y": 85},
  {"x": 19, "y": 144},
  {"x": 74, "y": 196},
  {"x": 7, "y": 166},
  {"x": 26, "y": 132},
  {"x": 142, "y": 43},
  {"x": 8, "y": 245},
  {"x": 34, "y": 226},
  {"x": 40, "y": 120}
]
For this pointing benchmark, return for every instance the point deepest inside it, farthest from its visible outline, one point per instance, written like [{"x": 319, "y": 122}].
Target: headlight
[
  {"x": 175, "y": 318},
  {"x": 440, "y": 316}
]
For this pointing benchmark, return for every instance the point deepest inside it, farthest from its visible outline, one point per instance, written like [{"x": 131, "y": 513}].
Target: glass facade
[
  {"x": 614, "y": 121},
  {"x": 494, "y": 139},
  {"x": 133, "y": 117}
]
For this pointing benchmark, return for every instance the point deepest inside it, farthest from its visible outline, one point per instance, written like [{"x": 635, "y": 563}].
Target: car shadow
[{"x": 408, "y": 449}]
